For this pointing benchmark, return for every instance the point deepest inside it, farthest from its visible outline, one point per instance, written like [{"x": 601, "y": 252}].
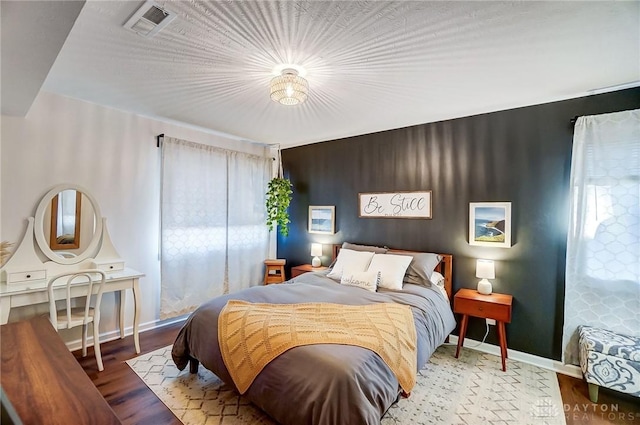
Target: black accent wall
[{"x": 522, "y": 156}]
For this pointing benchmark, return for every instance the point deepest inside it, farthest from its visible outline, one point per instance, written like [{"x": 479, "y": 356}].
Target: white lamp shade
[
  {"x": 316, "y": 250},
  {"x": 485, "y": 269}
]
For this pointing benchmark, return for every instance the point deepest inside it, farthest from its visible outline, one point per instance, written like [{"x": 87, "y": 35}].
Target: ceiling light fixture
[{"x": 289, "y": 88}]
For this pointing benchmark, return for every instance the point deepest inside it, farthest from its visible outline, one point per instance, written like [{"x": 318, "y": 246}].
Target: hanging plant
[{"x": 278, "y": 198}]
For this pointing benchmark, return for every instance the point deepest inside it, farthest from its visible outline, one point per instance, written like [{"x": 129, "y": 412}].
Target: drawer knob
[
  {"x": 110, "y": 267},
  {"x": 480, "y": 308},
  {"x": 28, "y": 276}
]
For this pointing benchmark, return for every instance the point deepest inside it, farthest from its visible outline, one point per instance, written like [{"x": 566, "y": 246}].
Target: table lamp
[
  {"x": 485, "y": 269},
  {"x": 316, "y": 253}
]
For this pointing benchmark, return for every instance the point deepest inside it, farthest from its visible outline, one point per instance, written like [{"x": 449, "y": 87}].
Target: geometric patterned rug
[{"x": 469, "y": 390}]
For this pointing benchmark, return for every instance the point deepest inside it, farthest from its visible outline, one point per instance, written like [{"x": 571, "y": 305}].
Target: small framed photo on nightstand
[{"x": 322, "y": 219}]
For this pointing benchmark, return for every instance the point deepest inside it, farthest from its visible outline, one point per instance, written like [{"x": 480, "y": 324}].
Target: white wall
[{"x": 113, "y": 155}]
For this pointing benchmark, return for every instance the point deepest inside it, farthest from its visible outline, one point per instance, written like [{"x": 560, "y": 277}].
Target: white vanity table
[
  {"x": 35, "y": 292},
  {"x": 23, "y": 279}
]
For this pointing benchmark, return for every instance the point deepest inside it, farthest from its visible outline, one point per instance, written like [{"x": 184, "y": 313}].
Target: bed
[{"x": 326, "y": 383}]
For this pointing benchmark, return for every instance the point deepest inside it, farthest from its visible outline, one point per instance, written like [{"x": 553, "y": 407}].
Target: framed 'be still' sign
[{"x": 395, "y": 205}]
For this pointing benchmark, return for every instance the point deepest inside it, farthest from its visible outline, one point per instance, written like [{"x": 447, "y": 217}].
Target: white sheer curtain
[
  {"x": 603, "y": 245},
  {"x": 212, "y": 215},
  {"x": 248, "y": 233}
]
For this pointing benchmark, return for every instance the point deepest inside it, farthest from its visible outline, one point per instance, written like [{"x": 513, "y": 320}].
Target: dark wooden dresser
[{"x": 43, "y": 381}]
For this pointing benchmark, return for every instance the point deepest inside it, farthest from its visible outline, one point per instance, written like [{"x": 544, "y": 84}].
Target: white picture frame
[
  {"x": 490, "y": 224},
  {"x": 401, "y": 204},
  {"x": 322, "y": 219}
]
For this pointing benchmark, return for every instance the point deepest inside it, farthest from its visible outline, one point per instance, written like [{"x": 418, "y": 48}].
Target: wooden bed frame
[{"x": 445, "y": 267}]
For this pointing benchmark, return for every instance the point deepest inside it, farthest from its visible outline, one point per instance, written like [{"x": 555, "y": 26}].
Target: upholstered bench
[{"x": 609, "y": 360}]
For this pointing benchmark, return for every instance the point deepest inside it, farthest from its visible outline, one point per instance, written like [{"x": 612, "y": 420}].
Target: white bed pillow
[
  {"x": 365, "y": 280},
  {"x": 392, "y": 269},
  {"x": 350, "y": 262},
  {"x": 437, "y": 281}
]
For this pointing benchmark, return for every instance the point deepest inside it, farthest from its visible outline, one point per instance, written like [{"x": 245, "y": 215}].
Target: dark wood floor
[
  {"x": 128, "y": 396},
  {"x": 135, "y": 403},
  {"x": 612, "y": 407}
]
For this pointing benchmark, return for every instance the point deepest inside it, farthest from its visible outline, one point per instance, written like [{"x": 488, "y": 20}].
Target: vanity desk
[
  {"x": 35, "y": 292},
  {"x": 67, "y": 234}
]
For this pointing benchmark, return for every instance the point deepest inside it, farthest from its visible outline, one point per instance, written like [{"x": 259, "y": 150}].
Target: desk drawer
[
  {"x": 26, "y": 276},
  {"x": 481, "y": 309},
  {"x": 111, "y": 266}
]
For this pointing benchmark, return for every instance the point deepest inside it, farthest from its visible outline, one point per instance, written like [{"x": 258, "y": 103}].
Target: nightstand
[
  {"x": 470, "y": 302},
  {"x": 305, "y": 268},
  {"x": 274, "y": 271}
]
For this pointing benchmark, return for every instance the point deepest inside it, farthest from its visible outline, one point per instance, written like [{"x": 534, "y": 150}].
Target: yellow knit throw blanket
[{"x": 253, "y": 334}]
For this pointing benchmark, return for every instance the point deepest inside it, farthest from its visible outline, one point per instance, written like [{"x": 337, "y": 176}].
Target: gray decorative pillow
[
  {"x": 368, "y": 248},
  {"x": 421, "y": 267}
]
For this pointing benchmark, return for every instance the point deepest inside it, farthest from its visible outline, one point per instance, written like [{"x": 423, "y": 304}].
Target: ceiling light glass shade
[{"x": 289, "y": 88}]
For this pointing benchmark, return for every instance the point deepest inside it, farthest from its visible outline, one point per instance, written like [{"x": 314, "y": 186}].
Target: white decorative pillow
[
  {"x": 438, "y": 281},
  {"x": 391, "y": 268},
  {"x": 350, "y": 262},
  {"x": 365, "y": 280}
]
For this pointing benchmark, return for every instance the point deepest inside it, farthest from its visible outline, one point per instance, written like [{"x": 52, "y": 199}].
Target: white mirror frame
[{"x": 38, "y": 229}]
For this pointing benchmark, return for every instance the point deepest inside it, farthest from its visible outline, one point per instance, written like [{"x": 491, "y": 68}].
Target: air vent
[{"x": 149, "y": 19}]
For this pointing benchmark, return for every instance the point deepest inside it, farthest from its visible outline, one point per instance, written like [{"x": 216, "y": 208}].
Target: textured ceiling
[{"x": 371, "y": 65}]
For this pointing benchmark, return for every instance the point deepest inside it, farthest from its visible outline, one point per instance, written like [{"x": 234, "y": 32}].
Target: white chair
[{"x": 70, "y": 317}]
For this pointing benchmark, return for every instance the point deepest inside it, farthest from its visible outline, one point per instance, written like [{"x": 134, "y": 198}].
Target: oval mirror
[
  {"x": 65, "y": 216},
  {"x": 68, "y": 225}
]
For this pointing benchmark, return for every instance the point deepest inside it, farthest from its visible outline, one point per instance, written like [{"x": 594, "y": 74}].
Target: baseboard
[
  {"x": 531, "y": 359},
  {"x": 115, "y": 334}
]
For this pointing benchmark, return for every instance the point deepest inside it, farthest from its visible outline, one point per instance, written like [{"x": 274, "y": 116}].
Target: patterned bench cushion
[
  {"x": 609, "y": 343},
  {"x": 610, "y": 360}
]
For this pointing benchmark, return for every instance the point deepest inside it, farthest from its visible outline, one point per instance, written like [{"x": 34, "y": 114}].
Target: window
[
  {"x": 602, "y": 286},
  {"x": 214, "y": 237}
]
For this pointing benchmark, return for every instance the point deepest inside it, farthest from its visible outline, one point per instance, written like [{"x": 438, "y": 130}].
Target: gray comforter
[{"x": 324, "y": 384}]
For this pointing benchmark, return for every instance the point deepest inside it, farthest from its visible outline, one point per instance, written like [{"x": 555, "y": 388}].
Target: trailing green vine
[{"x": 278, "y": 199}]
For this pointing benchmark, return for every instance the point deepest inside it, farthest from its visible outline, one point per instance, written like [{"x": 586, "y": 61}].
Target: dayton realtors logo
[
  {"x": 589, "y": 412},
  {"x": 548, "y": 412},
  {"x": 545, "y": 410}
]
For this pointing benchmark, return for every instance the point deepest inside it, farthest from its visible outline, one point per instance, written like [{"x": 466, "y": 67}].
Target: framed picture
[
  {"x": 395, "y": 205},
  {"x": 322, "y": 219},
  {"x": 490, "y": 224}
]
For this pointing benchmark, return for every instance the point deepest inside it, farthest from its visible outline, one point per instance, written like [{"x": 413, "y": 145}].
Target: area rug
[{"x": 469, "y": 390}]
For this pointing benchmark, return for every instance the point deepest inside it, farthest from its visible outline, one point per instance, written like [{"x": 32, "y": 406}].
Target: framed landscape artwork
[
  {"x": 322, "y": 219},
  {"x": 490, "y": 224}
]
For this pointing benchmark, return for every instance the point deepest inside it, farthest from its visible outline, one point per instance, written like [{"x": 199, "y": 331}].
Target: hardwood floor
[
  {"x": 135, "y": 403},
  {"x": 131, "y": 400},
  {"x": 612, "y": 407}
]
